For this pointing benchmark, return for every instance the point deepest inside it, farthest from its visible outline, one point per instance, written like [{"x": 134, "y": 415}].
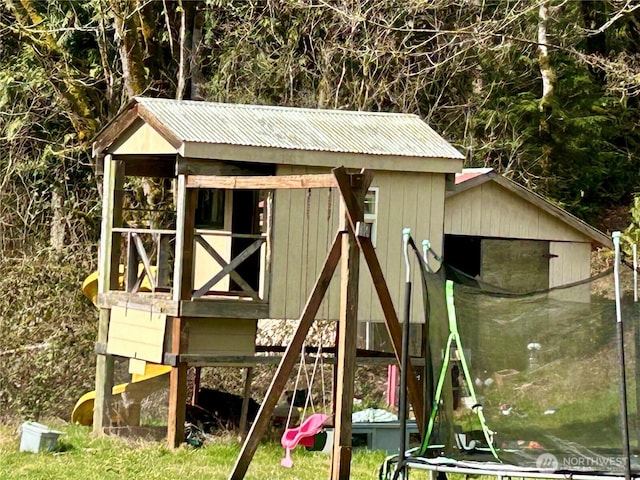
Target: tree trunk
[
  {"x": 197, "y": 77},
  {"x": 543, "y": 57},
  {"x": 183, "y": 64},
  {"x": 133, "y": 73},
  {"x": 547, "y": 74}
]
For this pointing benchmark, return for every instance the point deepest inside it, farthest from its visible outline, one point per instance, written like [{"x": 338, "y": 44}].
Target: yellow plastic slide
[{"x": 154, "y": 377}]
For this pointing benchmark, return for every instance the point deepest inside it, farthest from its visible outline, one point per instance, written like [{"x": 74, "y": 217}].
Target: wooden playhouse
[{"x": 265, "y": 201}]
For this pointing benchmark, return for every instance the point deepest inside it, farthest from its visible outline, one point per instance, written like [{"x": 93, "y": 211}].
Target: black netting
[{"x": 544, "y": 368}]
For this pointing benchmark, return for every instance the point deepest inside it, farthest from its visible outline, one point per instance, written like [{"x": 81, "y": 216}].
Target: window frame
[{"x": 372, "y": 218}]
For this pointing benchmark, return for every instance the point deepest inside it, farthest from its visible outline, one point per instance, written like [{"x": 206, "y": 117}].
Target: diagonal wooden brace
[
  {"x": 233, "y": 274},
  {"x": 230, "y": 267},
  {"x": 288, "y": 361},
  {"x": 137, "y": 241},
  {"x": 354, "y": 212}
]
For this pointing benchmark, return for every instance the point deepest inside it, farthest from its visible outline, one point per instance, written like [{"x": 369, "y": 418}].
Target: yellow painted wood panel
[
  {"x": 406, "y": 200},
  {"x": 392, "y": 244},
  {"x": 205, "y": 266},
  {"x": 436, "y": 219},
  {"x": 140, "y": 137},
  {"x": 136, "y": 334},
  {"x": 368, "y": 301}
]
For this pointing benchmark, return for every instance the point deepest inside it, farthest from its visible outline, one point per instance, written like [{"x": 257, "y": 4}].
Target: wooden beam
[
  {"x": 218, "y": 308},
  {"x": 416, "y": 394},
  {"x": 131, "y": 266},
  {"x": 252, "y": 360},
  {"x": 114, "y": 130},
  {"x": 140, "y": 301},
  {"x": 149, "y": 165},
  {"x": 209, "y": 166},
  {"x": 182, "y": 288},
  {"x": 270, "y": 182},
  {"x": 246, "y": 398},
  {"x": 186, "y": 203},
  {"x": 108, "y": 278},
  {"x": 289, "y": 360},
  {"x": 177, "y": 388},
  {"x": 104, "y": 379},
  {"x": 346, "y": 352},
  {"x": 197, "y": 376},
  {"x": 159, "y": 127},
  {"x": 162, "y": 260},
  {"x": 318, "y": 158}
]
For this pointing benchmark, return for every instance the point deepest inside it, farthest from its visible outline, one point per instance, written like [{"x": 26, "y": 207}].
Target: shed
[
  {"x": 513, "y": 237},
  {"x": 256, "y": 208}
]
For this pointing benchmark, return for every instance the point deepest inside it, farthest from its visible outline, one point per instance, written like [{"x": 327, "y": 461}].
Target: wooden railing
[
  {"x": 229, "y": 268},
  {"x": 149, "y": 254}
]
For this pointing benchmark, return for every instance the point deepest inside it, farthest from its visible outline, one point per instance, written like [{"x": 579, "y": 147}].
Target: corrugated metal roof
[{"x": 299, "y": 128}]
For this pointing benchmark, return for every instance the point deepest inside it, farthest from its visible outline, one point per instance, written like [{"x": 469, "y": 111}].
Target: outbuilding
[{"x": 512, "y": 237}]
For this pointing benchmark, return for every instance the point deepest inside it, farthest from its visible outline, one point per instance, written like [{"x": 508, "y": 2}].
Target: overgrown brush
[{"x": 47, "y": 330}]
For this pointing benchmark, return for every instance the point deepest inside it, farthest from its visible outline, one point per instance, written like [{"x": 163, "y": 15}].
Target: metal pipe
[
  {"x": 406, "y": 234},
  {"x": 623, "y": 377},
  {"x": 404, "y": 359},
  {"x": 426, "y": 246},
  {"x": 505, "y": 472}
]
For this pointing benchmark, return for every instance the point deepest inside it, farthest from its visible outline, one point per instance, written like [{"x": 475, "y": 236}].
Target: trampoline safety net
[{"x": 535, "y": 376}]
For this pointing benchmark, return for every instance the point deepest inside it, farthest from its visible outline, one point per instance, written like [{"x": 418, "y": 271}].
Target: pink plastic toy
[{"x": 302, "y": 435}]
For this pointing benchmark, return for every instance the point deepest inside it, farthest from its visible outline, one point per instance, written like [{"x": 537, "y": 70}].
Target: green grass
[{"x": 83, "y": 457}]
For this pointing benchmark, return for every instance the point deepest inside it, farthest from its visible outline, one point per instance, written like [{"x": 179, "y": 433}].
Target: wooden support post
[
  {"x": 246, "y": 398},
  {"x": 197, "y": 373},
  {"x": 347, "y": 341},
  {"x": 177, "y": 389},
  {"x": 354, "y": 213},
  {"x": 288, "y": 361},
  {"x": 104, "y": 379},
  {"x": 186, "y": 202},
  {"x": 113, "y": 182}
]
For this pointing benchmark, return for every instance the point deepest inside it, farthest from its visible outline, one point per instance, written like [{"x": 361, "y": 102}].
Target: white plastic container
[{"x": 37, "y": 437}]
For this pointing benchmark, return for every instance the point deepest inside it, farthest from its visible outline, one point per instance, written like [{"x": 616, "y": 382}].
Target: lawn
[{"x": 83, "y": 457}]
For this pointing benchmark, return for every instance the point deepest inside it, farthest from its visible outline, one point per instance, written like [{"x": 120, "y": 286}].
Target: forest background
[{"x": 544, "y": 91}]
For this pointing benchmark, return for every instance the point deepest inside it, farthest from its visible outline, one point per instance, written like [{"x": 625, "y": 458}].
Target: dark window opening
[
  {"x": 246, "y": 219},
  {"x": 464, "y": 253},
  {"x": 210, "y": 209}
]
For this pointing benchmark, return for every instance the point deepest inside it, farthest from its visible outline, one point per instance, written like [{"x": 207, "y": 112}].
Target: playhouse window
[
  {"x": 210, "y": 209},
  {"x": 371, "y": 211}
]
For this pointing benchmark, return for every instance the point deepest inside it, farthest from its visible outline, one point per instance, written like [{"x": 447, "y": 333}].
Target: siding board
[
  {"x": 503, "y": 215},
  {"x": 405, "y": 200}
]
